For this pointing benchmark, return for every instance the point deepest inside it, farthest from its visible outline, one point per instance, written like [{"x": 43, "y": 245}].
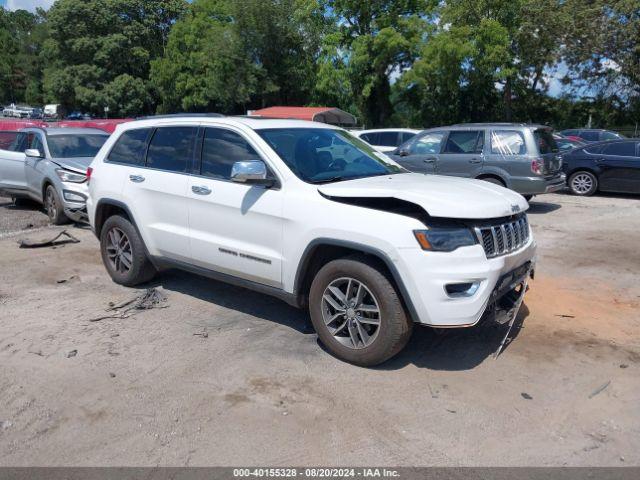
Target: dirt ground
[{"x": 260, "y": 390}]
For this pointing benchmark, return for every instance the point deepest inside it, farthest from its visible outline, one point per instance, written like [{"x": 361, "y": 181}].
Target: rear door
[
  {"x": 619, "y": 164},
  {"x": 421, "y": 152},
  {"x": 462, "y": 154},
  {"x": 12, "y": 161},
  {"x": 235, "y": 228},
  {"x": 157, "y": 190}
]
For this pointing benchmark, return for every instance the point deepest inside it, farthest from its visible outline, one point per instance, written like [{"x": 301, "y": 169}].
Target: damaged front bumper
[{"x": 508, "y": 295}]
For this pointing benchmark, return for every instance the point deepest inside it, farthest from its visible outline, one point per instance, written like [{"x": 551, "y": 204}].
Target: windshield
[
  {"x": 71, "y": 146},
  {"x": 320, "y": 155}
]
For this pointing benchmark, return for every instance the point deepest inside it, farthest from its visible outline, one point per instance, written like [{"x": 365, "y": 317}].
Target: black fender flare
[{"x": 305, "y": 260}]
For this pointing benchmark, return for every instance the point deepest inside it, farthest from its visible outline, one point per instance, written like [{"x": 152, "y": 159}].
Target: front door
[
  {"x": 235, "y": 228},
  {"x": 420, "y": 153},
  {"x": 34, "y": 167},
  {"x": 462, "y": 154},
  {"x": 619, "y": 164}
]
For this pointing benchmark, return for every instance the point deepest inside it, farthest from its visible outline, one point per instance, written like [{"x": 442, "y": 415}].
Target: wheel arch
[
  {"x": 482, "y": 176},
  {"x": 108, "y": 207},
  {"x": 322, "y": 250}
]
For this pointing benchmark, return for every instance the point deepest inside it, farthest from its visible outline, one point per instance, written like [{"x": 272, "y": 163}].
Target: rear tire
[
  {"x": 357, "y": 313},
  {"x": 53, "y": 206},
  {"x": 583, "y": 183},
  {"x": 123, "y": 252}
]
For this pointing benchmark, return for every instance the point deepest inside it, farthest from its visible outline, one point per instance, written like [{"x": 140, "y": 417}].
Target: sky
[{"x": 30, "y": 5}]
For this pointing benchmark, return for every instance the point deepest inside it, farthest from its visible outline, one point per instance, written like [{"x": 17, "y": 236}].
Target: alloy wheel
[
  {"x": 582, "y": 183},
  {"x": 351, "y": 312},
  {"x": 119, "y": 251},
  {"x": 50, "y": 204}
]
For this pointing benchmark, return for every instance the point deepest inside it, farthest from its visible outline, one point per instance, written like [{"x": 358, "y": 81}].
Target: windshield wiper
[{"x": 340, "y": 178}]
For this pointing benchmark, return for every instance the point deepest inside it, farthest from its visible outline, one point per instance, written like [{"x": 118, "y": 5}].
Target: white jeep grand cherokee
[{"x": 308, "y": 213}]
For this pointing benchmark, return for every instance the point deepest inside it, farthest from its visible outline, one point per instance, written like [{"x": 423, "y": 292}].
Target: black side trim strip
[{"x": 290, "y": 298}]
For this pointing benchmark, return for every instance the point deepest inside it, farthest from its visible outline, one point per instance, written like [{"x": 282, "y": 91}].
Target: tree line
[{"x": 390, "y": 62}]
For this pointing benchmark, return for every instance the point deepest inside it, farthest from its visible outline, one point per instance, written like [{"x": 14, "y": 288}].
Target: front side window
[
  {"x": 429, "y": 143},
  {"x": 370, "y": 138},
  {"x": 545, "y": 141},
  {"x": 321, "y": 155},
  {"x": 620, "y": 149},
  {"x": 611, "y": 136},
  {"x": 463, "y": 142},
  {"x": 75, "y": 146},
  {"x": 406, "y": 136},
  {"x": 171, "y": 148},
  {"x": 507, "y": 142},
  {"x": 221, "y": 149},
  {"x": 130, "y": 147}
]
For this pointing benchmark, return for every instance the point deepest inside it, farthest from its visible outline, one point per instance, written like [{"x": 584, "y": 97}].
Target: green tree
[
  {"x": 99, "y": 53},
  {"x": 204, "y": 67},
  {"x": 377, "y": 40},
  {"x": 227, "y": 56},
  {"x": 21, "y": 37}
]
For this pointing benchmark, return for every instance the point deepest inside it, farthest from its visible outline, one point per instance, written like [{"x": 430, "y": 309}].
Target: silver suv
[{"x": 521, "y": 157}]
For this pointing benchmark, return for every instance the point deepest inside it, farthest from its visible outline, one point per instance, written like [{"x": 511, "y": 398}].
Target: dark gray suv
[{"x": 521, "y": 157}]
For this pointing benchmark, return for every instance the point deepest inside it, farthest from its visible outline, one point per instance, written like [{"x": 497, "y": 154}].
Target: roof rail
[{"x": 174, "y": 115}]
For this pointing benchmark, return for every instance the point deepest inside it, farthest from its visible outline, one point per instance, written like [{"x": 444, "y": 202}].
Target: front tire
[
  {"x": 53, "y": 206},
  {"x": 583, "y": 183},
  {"x": 123, "y": 252},
  {"x": 357, "y": 313}
]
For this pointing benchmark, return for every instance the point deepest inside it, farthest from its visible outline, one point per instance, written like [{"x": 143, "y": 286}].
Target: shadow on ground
[
  {"x": 537, "y": 207},
  {"x": 453, "y": 349}
]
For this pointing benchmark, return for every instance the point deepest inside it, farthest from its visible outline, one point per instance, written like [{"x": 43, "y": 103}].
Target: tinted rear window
[
  {"x": 545, "y": 141},
  {"x": 388, "y": 139},
  {"x": 462, "y": 142},
  {"x": 8, "y": 140},
  {"x": 171, "y": 148},
  {"x": 621, "y": 149},
  {"x": 130, "y": 147},
  {"x": 74, "y": 146}
]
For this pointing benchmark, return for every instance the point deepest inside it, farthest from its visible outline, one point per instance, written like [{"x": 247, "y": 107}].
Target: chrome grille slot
[{"x": 503, "y": 238}]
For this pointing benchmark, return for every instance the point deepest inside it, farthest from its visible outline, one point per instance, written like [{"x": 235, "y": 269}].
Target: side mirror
[
  {"x": 251, "y": 171},
  {"x": 403, "y": 152},
  {"x": 33, "y": 153}
]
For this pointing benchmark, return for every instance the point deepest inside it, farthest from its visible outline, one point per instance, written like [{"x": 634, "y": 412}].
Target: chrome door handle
[
  {"x": 136, "y": 178},
  {"x": 429, "y": 160},
  {"x": 200, "y": 190},
  {"x": 475, "y": 160}
]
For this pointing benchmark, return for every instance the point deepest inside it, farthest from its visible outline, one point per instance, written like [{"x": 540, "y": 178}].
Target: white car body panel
[
  {"x": 12, "y": 174},
  {"x": 440, "y": 196},
  {"x": 265, "y": 233}
]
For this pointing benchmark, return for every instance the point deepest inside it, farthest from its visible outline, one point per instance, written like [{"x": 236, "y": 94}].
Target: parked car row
[{"x": 529, "y": 159}]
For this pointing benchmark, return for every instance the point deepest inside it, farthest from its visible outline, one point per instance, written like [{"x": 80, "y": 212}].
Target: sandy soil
[{"x": 260, "y": 390}]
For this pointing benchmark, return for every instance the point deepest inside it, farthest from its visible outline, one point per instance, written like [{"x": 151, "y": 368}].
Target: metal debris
[
  {"x": 26, "y": 243},
  {"x": 72, "y": 353},
  {"x": 151, "y": 298},
  {"x": 600, "y": 389},
  {"x": 526, "y": 396}
]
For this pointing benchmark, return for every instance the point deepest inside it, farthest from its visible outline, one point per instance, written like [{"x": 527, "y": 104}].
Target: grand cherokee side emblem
[{"x": 515, "y": 208}]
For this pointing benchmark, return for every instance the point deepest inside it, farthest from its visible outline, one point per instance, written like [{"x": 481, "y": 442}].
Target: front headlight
[
  {"x": 68, "y": 176},
  {"x": 444, "y": 239}
]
